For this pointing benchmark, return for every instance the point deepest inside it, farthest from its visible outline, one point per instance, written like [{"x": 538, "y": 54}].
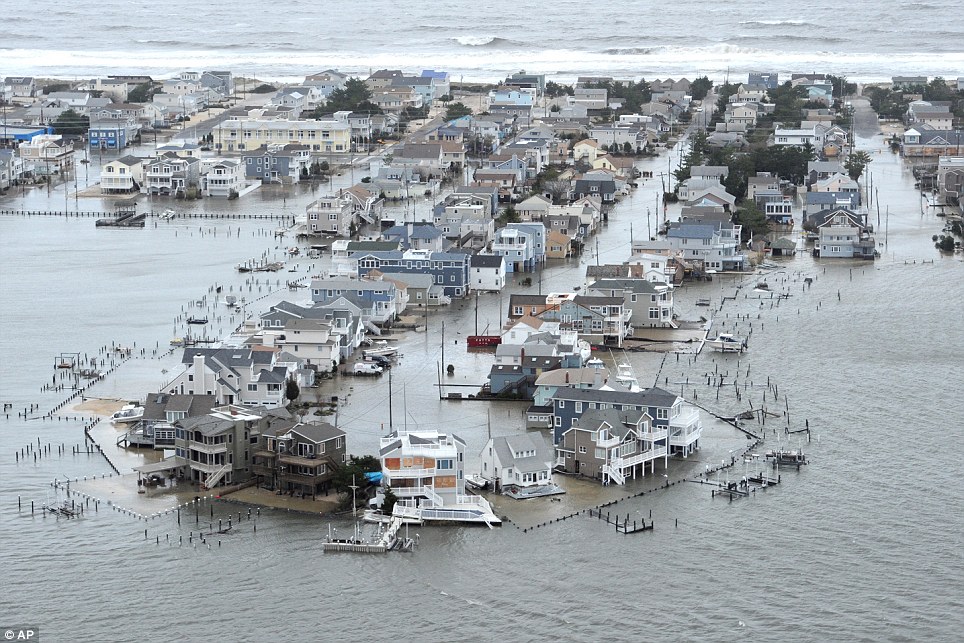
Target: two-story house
[{"x": 300, "y": 457}]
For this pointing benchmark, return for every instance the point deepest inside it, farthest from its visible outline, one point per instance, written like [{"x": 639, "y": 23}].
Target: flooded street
[{"x": 867, "y": 356}]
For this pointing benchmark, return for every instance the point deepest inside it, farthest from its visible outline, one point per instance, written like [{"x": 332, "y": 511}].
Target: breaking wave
[{"x": 483, "y": 41}]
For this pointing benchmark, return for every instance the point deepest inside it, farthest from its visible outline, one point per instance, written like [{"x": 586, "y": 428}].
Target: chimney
[{"x": 567, "y": 377}]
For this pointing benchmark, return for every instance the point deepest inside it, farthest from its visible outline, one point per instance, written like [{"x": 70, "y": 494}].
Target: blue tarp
[{"x": 374, "y": 476}]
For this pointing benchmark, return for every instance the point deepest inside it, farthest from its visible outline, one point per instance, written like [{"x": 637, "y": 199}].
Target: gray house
[
  {"x": 650, "y": 304},
  {"x": 299, "y": 458}
]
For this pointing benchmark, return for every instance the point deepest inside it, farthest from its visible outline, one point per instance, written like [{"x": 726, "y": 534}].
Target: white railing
[
  {"x": 213, "y": 479},
  {"x": 403, "y": 510},
  {"x": 208, "y": 448},
  {"x": 653, "y": 436},
  {"x": 607, "y": 444},
  {"x": 685, "y": 438},
  {"x": 206, "y": 468},
  {"x": 409, "y": 473},
  {"x": 473, "y": 500},
  {"x": 414, "y": 492},
  {"x": 689, "y": 417}
]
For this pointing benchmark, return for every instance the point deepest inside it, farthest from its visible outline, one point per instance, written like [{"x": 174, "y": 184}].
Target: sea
[
  {"x": 862, "y": 544},
  {"x": 864, "y": 39}
]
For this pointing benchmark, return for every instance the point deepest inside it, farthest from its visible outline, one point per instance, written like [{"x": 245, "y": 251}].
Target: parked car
[
  {"x": 381, "y": 360},
  {"x": 366, "y": 368}
]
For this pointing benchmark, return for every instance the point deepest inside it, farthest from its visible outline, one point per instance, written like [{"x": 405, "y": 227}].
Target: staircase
[
  {"x": 615, "y": 475},
  {"x": 213, "y": 479}
]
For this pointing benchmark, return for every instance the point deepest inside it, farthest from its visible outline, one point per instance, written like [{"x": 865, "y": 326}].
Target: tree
[
  {"x": 141, "y": 93},
  {"x": 264, "y": 88},
  {"x": 70, "y": 123},
  {"x": 388, "y": 501},
  {"x": 353, "y": 97},
  {"x": 753, "y": 220},
  {"x": 700, "y": 87},
  {"x": 457, "y": 110},
  {"x": 554, "y": 90},
  {"x": 946, "y": 243},
  {"x": 856, "y": 163},
  {"x": 355, "y": 468},
  {"x": 292, "y": 390}
]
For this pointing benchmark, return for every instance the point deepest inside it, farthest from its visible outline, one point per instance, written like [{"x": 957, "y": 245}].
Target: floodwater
[{"x": 862, "y": 544}]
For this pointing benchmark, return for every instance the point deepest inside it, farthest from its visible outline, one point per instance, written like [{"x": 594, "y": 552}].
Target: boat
[
  {"x": 294, "y": 250},
  {"x": 475, "y": 341},
  {"x": 167, "y": 214},
  {"x": 384, "y": 351},
  {"x": 626, "y": 377},
  {"x": 177, "y": 341},
  {"x": 197, "y": 320},
  {"x": 476, "y": 481},
  {"x": 537, "y": 491},
  {"x": 726, "y": 343},
  {"x": 130, "y": 413},
  {"x": 702, "y": 302},
  {"x": 230, "y": 300},
  {"x": 787, "y": 458},
  {"x": 243, "y": 268}
]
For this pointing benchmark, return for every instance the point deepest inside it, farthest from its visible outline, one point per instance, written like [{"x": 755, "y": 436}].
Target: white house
[
  {"x": 487, "y": 272},
  {"x": 517, "y": 461},
  {"x": 223, "y": 179},
  {"x": 425, "y": 471},
  {"x": 122, "y": 175},
  {"x": 232, "y": 375}
]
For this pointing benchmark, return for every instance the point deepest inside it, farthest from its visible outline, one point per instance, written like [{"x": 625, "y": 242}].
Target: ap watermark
[{"x": 21, "y": 633}]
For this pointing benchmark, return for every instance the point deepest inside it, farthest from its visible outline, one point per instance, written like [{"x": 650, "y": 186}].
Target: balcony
[
  {"x": 206, "y": 468},
  {"x": 410, "y": 473},
  {"x": 208, "y": 448}
]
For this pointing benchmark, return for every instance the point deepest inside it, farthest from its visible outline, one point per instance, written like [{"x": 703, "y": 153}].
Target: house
[
  {"x": 171, "y": 175},
  {"x": 667, "y": 411},
  {"x": 397, "y": 99},
  {"x": 331, "y": 214},
  {"x": 487, "y": 272},
  {"x": 901, "y": 83},
  {"x": 950, "y": 178},
  {"x": 449, "y": 270},
  {"x": 121, "y": 176},
  {"x": 815, "y": 202},
  {"x": 311, "y": 341},
  {"x": 11, "y": 169},
  {"x": 714, "y": 196},
  {"x": 800, "y": 137},
  {"x": 382, "y": 78},
  {"x": 21, "y": 86},
  {"x": 111, "y": 134},
  {"x": 770, "y": 80},
  {"x": 285, "y": 164},
  {"x": 375, "y": 297},
  {"x": 818, "y": 170},
  {"x": 343, "y": 317},
  {"x": 424, "y": 86},
  {"x": 232, "y": 375},
  {"x": 714, "y": 244},
  {"x": 599, "y": 320},
  {"x": 415, "y": 236},
  {"x": 239, "y": 135},
  {"x": 650, "y": 304},
  {"x": 925, "y": 141},
  {"x": 425, "y": 470},
  {"x": 301, "y": 457},
  {"x": 604, "y": 189},
  {"x": 842, "y": 234},
  {"x": 587, "y": 149},
  {"x": 837, "y": 182},
  {"x": 47, "y": 154},
  {"x": 223, "y": 178},
  {"x": 326, "y": 81},
  {"x": 523, "y": 460},
  {"x": 612, "y": 446},
  {"x": 216, "y": 448},
  {"x": 517, "y": 247}
]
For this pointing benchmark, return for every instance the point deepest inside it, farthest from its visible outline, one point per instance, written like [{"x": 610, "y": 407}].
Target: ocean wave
[
  {"x": 776, "y": 23},
  {"x": 628, "y": 51},
  {"x": 483, "y": 41}
]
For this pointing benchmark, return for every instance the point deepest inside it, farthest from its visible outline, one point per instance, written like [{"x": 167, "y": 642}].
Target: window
[
  {"x": 578, "y": 407},
  {"x": 253, "y": 387},
  {"x": 444, "y": 464},
  {"x": 662, "y": 414},
  {"x": 582, "y": 449}
]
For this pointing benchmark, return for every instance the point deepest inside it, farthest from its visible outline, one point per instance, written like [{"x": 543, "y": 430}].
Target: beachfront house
[
  {"x": 450, "y": 270},
  {"x": 301, "y": 458},
  {"x": 666, "y": 410},
  {"x": 232, "y": 375},
  {"x": 171, "y": 175},
  {"x": 519, "y": 461},
  {"x": 425, "y": 469},
  {"x": 612, "y": 445},
  {"x": 487, "y": 272},
  {"x": 842, "y": 234},
  {"x": 122, "y": 176},
  {"x": 650, "y": 304}
]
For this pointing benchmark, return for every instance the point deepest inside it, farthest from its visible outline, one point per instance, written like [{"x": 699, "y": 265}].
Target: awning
[{"x": 166, "y": 464}]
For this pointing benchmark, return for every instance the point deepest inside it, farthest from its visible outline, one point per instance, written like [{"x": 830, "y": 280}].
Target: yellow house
[
  {"x": 122, "y": 175},
  {"x": 238, "y": 135},
  {"x": 587, "y": 149},
  {"x": 558, "y": 245}
]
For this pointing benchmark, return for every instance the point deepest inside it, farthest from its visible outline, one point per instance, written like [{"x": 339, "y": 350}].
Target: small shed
[{"x": 783, "y": 247}]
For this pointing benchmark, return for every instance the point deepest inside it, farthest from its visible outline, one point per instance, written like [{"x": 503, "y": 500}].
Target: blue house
[
  {"x": 450, "y": 270},
  {"x": 375, "y": 298},
  {"x": 106, "y": 135},
  {"x": 669, "y": 412}
]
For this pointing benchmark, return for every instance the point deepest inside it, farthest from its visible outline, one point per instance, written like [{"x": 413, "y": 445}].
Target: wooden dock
[{"x": 623, "y": 526}]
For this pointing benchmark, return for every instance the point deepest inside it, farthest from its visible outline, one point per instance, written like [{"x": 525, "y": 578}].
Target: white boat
[
  {"x": 130, "y": 413},
  {"x": 626, "y": 378},
  {"x": 167, "y": 214},
  {"x": 476, "y": 481},
  {"x": 726, "y": 343},
  {"x": 230, "y": 300}
]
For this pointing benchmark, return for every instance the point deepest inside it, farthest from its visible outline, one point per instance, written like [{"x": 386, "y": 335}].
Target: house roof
[{"x": 486, "y": 261}]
